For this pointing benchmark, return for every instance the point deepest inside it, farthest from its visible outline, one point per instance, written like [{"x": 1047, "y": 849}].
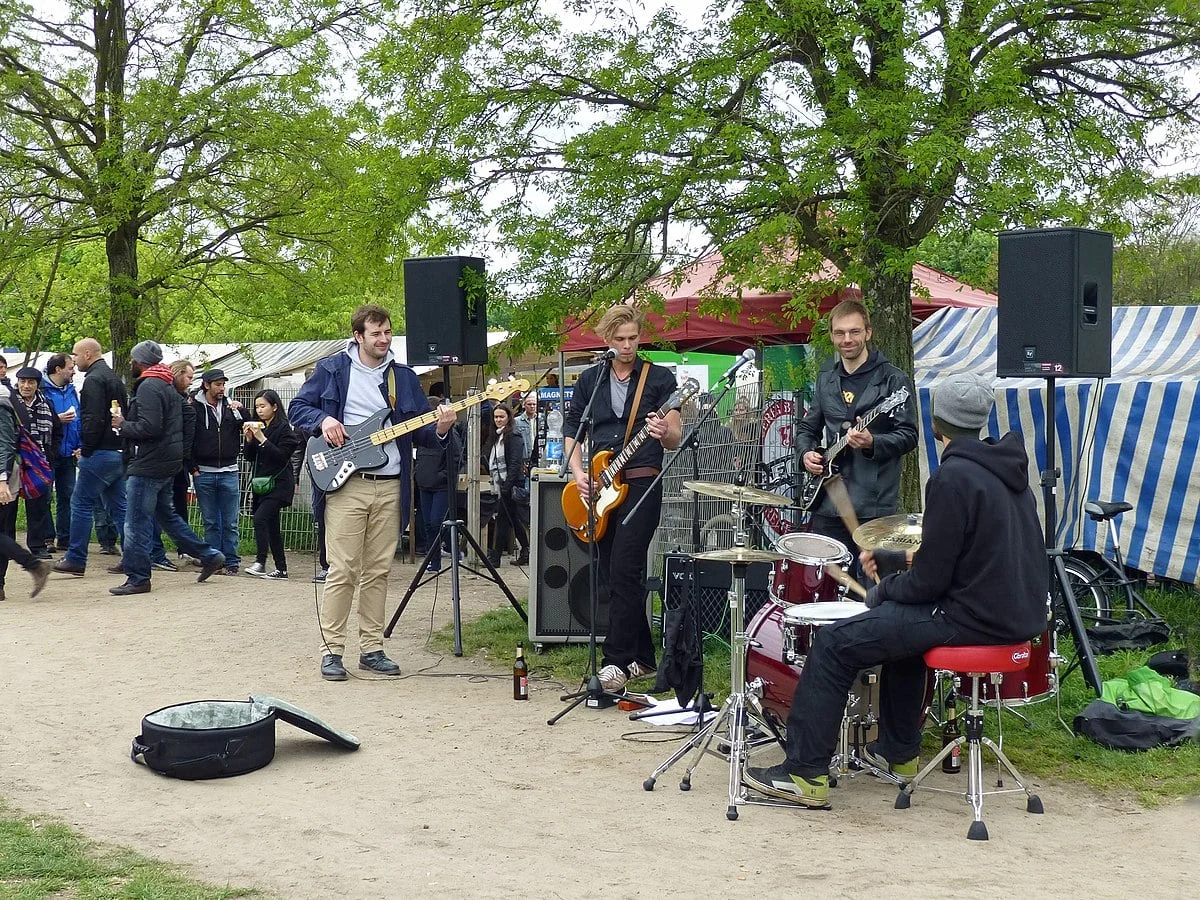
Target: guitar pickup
[{"x": 318, "y": 461}]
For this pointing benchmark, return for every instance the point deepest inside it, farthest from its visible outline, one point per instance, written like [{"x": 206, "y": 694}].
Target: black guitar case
[{"x": 220, "y": 738}]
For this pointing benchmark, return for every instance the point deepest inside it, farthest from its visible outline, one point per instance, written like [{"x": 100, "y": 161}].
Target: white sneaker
[
  {"x": 257, "y": 569},
  {"x": 637, "y": 670},
  {"x": 613, "y": 679}
]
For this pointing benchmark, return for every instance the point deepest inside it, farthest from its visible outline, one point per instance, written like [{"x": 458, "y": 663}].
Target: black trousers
[
  {"x": 622, "y": 577},
  {"x": 39, "y": 527},
  {"x": 893, "y": 635},
  {"x": 9, "y": 548},
  {"x": 509, "y": 520},
  {"x": 267, "y": 533}
]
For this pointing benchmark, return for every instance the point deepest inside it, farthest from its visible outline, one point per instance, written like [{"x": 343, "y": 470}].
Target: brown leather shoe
[
  {"x": 40, "y": 575},
  {"x": 68, "y": 568}
]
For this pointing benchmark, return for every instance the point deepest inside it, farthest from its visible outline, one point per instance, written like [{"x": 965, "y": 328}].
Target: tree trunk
[
  {"x": 890, "y": 295},
  {"x": 124, "y": 299}
]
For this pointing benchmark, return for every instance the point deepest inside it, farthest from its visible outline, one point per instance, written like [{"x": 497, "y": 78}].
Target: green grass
[
  {"x": 47, "y": 859},
  {"x": 1045, "y": 749}
]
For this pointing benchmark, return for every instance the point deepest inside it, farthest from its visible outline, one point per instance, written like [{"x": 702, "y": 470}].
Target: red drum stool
[{"x": 976, "y": 663}]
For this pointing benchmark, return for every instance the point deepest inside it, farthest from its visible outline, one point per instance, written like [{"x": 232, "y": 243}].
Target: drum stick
[
  {"x": 841, "y": 500},
  {"x": 842, "y": 578}
]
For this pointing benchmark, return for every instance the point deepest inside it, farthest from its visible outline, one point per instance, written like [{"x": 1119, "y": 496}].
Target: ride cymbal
[
  {"x": 741, "y": 555},
  {"x": 899, "y": 532},
  {"x": 751, "y": 496}
]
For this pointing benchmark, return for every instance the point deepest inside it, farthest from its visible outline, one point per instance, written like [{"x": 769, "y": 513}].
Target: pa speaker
[
  {"x": 1054, "y": 317},
  {"x": 560, "y": 598},
  {"x": 712, "y": 581},
  {"x": 445, "y": 311}
]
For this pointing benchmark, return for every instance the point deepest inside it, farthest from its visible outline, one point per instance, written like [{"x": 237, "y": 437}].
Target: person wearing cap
[
  {"x": 64, "y": 399},
  {"x": 153, "y": 435},
  {"x": 979, "y": 577},
  {"x": 101, "y": 476},
  {"x": 857, "y": 382},
  {"x": 216, "y": 446},
  {"x": 37, "y": 416}
]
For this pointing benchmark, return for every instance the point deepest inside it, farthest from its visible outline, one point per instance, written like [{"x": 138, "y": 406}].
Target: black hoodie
[{"x": 983, "y": 554}]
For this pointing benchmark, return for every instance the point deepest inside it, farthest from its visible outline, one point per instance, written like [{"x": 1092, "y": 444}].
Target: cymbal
[
  {"x": 738, "y": 493},
  {"x": 740, "y": 554},
  {"x": 899, "y": 532}
]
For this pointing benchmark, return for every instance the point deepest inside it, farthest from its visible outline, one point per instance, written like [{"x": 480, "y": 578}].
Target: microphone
[
  {"x": 606, "y": 355},
  {"x": 746, "y": 357}
]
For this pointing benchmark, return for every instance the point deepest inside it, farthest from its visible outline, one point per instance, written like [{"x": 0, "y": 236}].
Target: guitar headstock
[
  {"x": 687, "y": 389},
  {"x": 502, "y": 390},
  {"x": 894, "y": 400}
]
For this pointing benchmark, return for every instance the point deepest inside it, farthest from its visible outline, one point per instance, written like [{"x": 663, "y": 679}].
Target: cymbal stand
[{"x": 742, "y": 703}]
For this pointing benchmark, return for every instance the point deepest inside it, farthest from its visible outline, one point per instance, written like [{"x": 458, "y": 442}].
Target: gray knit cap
[
  {"x": 148, "y": 353},
  {"x": 963, "y": 400}
]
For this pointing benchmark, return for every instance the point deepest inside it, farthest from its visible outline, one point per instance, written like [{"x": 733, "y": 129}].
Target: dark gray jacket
[{"x": 871, "y": 477}]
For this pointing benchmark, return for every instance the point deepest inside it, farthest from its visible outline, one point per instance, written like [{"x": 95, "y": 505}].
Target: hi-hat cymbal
[
  {"x": 751, "y": 496},
  {"x": 900, "y": 532},
  {"x": 741, "y": 555}
]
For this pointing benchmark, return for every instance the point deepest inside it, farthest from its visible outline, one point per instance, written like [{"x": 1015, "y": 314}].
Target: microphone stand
[
  {"x": 590, "y": 690},
  {"x": 702, "y": 702}
]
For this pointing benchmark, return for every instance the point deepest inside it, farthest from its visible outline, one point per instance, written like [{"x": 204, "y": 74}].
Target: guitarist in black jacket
[
  {"x": 859, "y": 380},
  {"x": 628, "y": 647}
]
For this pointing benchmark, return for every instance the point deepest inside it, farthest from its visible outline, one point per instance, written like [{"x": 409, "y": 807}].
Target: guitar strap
[
  {"x": 391, "y": 390},
  {"x": 637, "y": 398}
]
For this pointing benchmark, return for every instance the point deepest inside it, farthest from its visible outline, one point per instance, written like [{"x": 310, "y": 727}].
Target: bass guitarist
[
  {"x": 858, "y": 380},
  {"x": 627, "y": 400}
]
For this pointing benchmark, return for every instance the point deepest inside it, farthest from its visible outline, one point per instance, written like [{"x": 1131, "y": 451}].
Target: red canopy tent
[{"x": 762, "y": 318}]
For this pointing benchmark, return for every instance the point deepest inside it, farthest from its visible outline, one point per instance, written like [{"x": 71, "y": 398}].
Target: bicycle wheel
[{"x": 1088, "y": 592}]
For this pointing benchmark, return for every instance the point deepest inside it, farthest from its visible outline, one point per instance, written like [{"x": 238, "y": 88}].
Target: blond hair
[{"x": 616, "y": 317}]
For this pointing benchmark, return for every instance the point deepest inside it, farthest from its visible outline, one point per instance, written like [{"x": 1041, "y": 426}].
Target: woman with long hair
[
  {"x": 270, "y": 442},
  {"x": 504, "y": 450}
]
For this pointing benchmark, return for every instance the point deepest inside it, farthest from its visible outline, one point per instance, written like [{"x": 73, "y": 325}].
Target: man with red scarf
[{"x": 153, "y": 435}]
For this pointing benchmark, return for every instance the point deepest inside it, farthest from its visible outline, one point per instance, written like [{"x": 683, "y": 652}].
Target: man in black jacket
[
  {"x": 101, "y": 477},
  {"x": 859, "y": 380},
  {"x": 980, "y": 577},
  {"x": 628, "y": 646},
  {"x": 153, "y": 435},
  {"x": 215, "y": 450}
]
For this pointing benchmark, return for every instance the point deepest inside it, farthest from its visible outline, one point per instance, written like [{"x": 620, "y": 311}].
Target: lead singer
[{"x": 628, "y": 647}]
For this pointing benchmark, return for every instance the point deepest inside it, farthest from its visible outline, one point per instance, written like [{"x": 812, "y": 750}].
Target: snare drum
[
  {"x": 799, "y": 622},
  {"x": 801, "y": 578},
  {"x": 1030, "y": 685}
]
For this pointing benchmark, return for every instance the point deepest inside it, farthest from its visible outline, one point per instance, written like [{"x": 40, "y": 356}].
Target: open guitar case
[{"x": 221, "y": 738}]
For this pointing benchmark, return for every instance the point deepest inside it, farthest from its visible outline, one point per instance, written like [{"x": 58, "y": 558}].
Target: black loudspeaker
[
  {"x": 445, "y": 311},
  {"x": 713, "y": 581},
  {"x": 560, "y": 600},
  {"x": 1055, "y": 310}
]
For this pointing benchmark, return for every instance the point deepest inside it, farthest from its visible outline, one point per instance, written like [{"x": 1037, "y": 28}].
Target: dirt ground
[{"x": 458, "y": 791}]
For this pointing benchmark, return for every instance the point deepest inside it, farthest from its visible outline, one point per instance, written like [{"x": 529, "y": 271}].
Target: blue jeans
[
  {"x": 220, "y": 497},
  {"x": 64, "y": 487},
  {"x": 434, "y": 505},
  {"x": 101, "y": 480},
  {"x": 150, "y": 506}
]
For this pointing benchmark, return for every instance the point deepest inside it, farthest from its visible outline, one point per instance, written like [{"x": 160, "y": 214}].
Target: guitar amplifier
[{"x": 712, "y": 583}]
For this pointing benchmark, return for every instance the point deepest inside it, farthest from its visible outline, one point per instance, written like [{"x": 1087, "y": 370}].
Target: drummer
[
  {"x": 859, "y": 380},
  {"x": 980, "y": 577}
]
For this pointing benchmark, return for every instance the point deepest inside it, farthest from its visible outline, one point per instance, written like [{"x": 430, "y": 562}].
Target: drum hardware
[
  {"x": 899, "y": 532},
  {"x": 744, "y": 702}
]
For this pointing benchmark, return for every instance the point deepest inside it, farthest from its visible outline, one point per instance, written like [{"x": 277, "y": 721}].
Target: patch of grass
[
  {"x": 1041, "y": 750},
  {"x": 48, "y": 859}
]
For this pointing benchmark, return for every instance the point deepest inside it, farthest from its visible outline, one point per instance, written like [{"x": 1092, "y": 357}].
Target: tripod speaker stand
[{"x": 452, "y": 526}]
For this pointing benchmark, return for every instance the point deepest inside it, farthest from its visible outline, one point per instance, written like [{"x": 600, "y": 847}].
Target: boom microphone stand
[
  {"x": 449, "y": 533},
  {"x": 590, "y": 690}
]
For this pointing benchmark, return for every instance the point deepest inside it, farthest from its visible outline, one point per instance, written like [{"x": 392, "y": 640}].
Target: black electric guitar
[
  {"x": 810, "y": 488},
  {"x": 365, "y": 447}
]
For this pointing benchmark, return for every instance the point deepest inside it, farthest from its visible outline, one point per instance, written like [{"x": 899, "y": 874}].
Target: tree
[
  {"x": 782, "y": 132},
  {"x": 1158, "y": 263},
  {"x": 190, "y": 138}
]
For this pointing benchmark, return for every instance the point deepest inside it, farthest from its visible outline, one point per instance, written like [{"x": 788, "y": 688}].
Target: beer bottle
[
  {"x": 952, "y": 761},
  {"x": 520, "y": 675}
]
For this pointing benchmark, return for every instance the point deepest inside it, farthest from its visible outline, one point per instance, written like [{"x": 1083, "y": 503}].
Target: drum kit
[{"x": 808, "y": 586}]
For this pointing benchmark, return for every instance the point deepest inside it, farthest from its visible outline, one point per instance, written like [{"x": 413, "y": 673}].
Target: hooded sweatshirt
[
  {"x": 983, "y": 555},
  {"x": 363, "y": 399}
]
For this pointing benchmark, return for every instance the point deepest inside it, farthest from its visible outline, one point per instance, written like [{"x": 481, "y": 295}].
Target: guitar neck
[
  {"x": 840, "y": 444},
  {"x": 622, "y": 459},
  {"x": 394, "y": 431}
]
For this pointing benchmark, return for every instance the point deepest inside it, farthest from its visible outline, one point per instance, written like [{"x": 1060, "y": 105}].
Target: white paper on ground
[{"x": 668, "y": 712}]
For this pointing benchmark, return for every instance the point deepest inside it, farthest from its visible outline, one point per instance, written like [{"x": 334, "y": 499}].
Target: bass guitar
[
  {"x": 365, "y": 447},
  {"x": 811, "y": 486},
  {"x": 606, "y": 472}
]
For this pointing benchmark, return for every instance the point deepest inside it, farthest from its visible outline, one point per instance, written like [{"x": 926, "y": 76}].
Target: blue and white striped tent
[{"x": 1131, "y": 437}]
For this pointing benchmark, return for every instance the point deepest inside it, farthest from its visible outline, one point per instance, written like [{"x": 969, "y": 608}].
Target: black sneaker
[
  {"x": 164, "y": 565},
  {"x": 277, "y": 575},
  {"x": 320, "y": 577},
  {"x": 122, "y": 590},
  {"x": 378, "y": 663},
  {"x": 210, "y": 566},
  {"x": 332, "y": 668},
  {"x": 905, "y": 771},
  {"x": 109, "y": 550}
]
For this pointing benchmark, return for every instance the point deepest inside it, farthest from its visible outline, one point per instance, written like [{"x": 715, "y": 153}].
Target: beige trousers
[{"x": 362, "y": 526}]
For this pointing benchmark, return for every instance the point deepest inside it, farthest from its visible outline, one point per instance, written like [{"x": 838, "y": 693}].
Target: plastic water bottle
[{"x": 554, "y": 436}]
